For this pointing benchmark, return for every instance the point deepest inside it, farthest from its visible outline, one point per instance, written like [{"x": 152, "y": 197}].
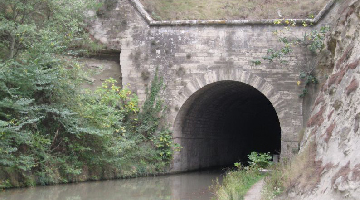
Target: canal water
[{"x": 185, "y": 186}]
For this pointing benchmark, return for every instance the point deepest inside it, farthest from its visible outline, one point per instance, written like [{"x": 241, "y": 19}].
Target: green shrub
[{"x": 259, "y": 160}]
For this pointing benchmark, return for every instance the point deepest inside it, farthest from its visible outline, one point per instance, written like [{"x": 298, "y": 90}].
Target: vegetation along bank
[{"x": 51, "y": 129}]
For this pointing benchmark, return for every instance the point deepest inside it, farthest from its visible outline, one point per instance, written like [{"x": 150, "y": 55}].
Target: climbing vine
[{"x": 151, "y": 121}]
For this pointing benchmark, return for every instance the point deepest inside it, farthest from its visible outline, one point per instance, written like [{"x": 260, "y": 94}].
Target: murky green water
[{"x": 187, "y": 186}]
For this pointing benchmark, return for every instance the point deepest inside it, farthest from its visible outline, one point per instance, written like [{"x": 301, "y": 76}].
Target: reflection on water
[{"x": 194, "y": 186}]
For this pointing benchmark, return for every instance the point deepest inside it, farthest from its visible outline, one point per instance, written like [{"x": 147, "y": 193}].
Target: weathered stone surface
[
  {"x": 354, "y": 84},
  {"x": 337, "y": 138},
  {"x": 328, "y": 132},
  {"x": 317, "y": 119}
]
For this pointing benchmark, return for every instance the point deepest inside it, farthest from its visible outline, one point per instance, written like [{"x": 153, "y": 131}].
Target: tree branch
[{"x": 12, "y": 46}]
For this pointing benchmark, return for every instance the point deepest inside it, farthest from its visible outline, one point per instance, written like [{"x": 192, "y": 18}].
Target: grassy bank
[
  {"x": 236, "y": 184},
  {"x": 232, "y": 9},
  {"x": 301, "y": 173}
]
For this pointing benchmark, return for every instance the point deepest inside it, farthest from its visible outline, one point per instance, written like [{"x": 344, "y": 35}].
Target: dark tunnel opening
[{"x": 224, "y": 122}]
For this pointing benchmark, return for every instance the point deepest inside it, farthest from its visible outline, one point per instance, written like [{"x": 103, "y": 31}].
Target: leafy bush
[
  {"x": 38, "y": 125},
  {"x": 259, "y": 160}
]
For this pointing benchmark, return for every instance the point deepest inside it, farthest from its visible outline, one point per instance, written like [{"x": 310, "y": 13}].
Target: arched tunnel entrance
[{"x": 222, "y": 123}]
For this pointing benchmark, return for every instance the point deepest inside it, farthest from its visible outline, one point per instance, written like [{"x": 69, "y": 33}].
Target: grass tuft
[{"x": 301, "y": 173}]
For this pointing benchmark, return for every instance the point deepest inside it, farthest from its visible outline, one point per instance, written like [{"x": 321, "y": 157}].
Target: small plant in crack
[
  {"x": 256, "y": 62},
  {"x": 309, "y": 79}
]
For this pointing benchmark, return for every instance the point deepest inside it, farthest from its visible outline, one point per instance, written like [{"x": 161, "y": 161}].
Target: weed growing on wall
[
  {"x": 151, "y": 121},
  {"x": 153, "y": 109},
  {"x": 313, "y": 41}
]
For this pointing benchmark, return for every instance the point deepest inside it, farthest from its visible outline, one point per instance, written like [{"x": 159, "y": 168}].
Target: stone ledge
[{"x": 140, "y": 8}]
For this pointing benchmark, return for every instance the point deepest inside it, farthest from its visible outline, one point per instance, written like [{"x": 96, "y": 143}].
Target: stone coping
[{"x": 140, "y": 8}]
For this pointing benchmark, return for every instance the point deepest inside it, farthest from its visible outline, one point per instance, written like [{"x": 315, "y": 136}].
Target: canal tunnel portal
[
  {"x": 222, "y": 123},
  {"x": 195, "y": 56}
]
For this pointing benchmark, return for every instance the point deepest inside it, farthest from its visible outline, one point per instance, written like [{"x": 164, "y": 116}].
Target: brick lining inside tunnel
[{"x": 222, "y": 123}]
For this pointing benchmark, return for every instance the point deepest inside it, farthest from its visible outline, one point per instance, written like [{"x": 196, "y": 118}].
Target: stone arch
[
  {"x": 192, "y": 91},
  {"x": 218, "y": 75}
]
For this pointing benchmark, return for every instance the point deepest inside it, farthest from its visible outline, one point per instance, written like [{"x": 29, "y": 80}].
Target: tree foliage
[
  {"x": 48, "y": 126},
  {"x": 36, "y": 85},
  {"x": 32, "y": 27}
]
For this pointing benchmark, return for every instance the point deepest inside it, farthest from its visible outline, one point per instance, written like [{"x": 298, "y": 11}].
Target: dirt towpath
[{"x": 255, "y": 191}]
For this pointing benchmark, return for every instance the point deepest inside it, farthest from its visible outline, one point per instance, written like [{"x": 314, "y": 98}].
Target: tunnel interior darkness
[{"x": 224, "y": 122}]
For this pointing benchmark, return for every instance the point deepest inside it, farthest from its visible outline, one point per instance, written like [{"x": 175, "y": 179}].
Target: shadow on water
[{"x": 192, "y": 185}]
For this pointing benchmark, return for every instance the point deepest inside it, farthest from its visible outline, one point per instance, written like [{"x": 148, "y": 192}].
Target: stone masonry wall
[{"x": 192, "y": 56}]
